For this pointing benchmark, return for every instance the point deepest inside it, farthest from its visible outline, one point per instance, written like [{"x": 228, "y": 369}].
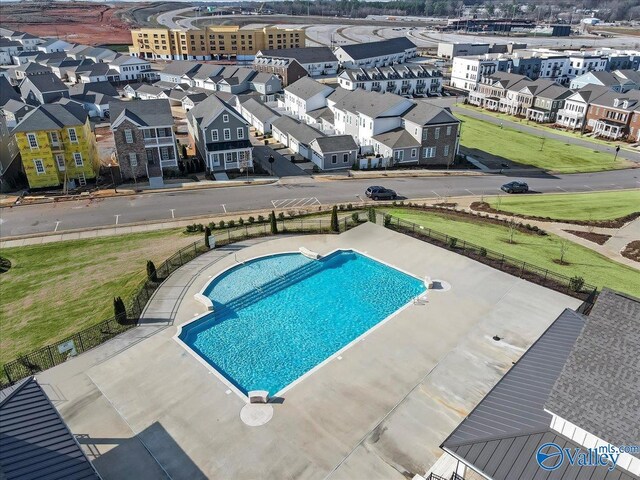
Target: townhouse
[
  {"x": 338, "y": 151},
  {"x": 57, "y": 145},
  {"x": 132, "y": 68},
  {"x": 212, "y": 43},
  {"x": 618, "y": 80},
  {"x": 609, "y": 115},
  {"x": 220, "y": 135},
  {"x": 492, "y": 89},
  {"x": 295, "y": 135},
  {"x": 573, "y": 114},
  {"x": 41, "y": 89},
  {"x": 376, "y": 54},
  {"x": 94, "y": 97},
  {"x": 521, "y": 97},
  {"x": 258, "y": 115},
  {"x": 54, "y": 45},
  {"x": 144, "y": 139},
  {"x": 288, "y": 70},
  {"x": 316, "y": 61},
  {"x": 305, "y": 95},
  {"x": 467, "y": 72},
  {"x": 547, "y": 103},
  {"x": 400, "y": 79}
]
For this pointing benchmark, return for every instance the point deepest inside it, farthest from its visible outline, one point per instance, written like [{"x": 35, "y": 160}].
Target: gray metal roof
[
  {"x": 302, "y": 55},
  {"x": 359, "y": 51},
  {"x": 149, "y": 113},
  {"x": 306, "y": 88},
  {"x": 35, "y": 443},
  {"x": 599, "y": 387}
]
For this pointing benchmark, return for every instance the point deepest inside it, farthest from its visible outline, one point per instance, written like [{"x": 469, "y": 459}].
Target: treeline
[{"x": 608, "y": 10}]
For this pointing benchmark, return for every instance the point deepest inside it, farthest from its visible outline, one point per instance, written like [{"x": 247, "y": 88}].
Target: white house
[
  {"x": 400, "y": 79},
  {"x": 132, "y": 68},
  {"x": 305, "y": 95},
  {"x": 258, "y": 115},
  {"x": 376, "y": 54},
  {"x": 54, "y": 45},
  {"x": 315, "y": 60}
]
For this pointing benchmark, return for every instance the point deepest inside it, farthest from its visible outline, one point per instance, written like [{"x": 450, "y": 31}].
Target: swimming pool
[{"x": 277, "y": 317}]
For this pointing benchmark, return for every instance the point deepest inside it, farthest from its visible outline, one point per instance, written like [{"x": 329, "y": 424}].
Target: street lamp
[
  {"x": 271, "y": 160},
  {"x": 616, "y": 156}
]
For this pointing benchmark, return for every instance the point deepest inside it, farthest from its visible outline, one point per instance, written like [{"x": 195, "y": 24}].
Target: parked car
[
  {"x": 515, "y": 187},
  {"x": 380, "y": 193}
]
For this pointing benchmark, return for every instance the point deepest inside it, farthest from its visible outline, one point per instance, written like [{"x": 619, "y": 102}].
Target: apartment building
[
  {"x": 144, "y": 139},
  {"x": 467, "y": 72},
  {"x": 400, "y": 79},
  {"x": 304, "y": 96},
  {"x": 376, "y": 54},
  {"x": 56, "y": 144},
  {"x": 213, "y": 42},
  {"x": 220, "y": 135}
]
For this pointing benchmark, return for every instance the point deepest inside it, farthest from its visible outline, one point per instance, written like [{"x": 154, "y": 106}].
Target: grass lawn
[
  {"x": 537, "y": 250},
  {"x": 524, "y": 148},
  {"x": 56, "y": 289},
  {"x": 544, "y": 127},
  {"x": 575, "y": 206}
]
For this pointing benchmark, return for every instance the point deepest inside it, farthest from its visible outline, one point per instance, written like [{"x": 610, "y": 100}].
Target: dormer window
[
  {"x": 625, "y": 104},
  {"x": 616, "y": 102}
]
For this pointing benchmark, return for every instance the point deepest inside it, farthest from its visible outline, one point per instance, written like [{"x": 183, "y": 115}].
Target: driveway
[{"x": 282, "y": 166}]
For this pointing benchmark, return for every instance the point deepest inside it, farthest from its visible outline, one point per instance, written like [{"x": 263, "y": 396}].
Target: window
[
  {"x": 240, "y": 133},
  {"x": 33, "y": 142},
  {"x": 72, "y": 135},
  {"x": 54, "y": 138},
  {"x": 150, "y": 159},
  {"x": 345, "y": 157},
  {"x": 227, "y": 134},
  {"x": 225, "y": 118},
  {"x": 437, "y": 133},
  {"x": 449, "y": 130},
  {"x": 214, "y": 135},
  {"x": 429, "y": 152},
  {"x": 133, "y": 159},
  {"x": 398, "y": 155},
  {"x": 78, "y": 159},
  {"x": 60, "y": 162},
  {"x": 128, "y": 135},
  {"x": 414, "y": 152},
  {"x": 425, "y": 133},
  {"x": 39, "y": 166},
  {"x": 164, "y": 153},
  {"x": 446, "y": 150}
]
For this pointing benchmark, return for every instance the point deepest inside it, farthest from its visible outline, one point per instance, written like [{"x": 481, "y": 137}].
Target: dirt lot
[{"x": 88, "y": 23}]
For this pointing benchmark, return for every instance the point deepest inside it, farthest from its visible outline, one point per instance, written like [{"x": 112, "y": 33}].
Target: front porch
[
  {"x": 538, "y": 115},
  {"x": 609, "y": 129},
  {"x": 230, "y": 159}
]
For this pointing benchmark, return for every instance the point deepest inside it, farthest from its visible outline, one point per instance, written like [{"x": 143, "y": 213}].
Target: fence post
[
  {"x": 80, "y": 341},
  {"x": 6, "y": 372},
  {"x": 545, "y": 276},
  {"x": 502, "y": 262},
  {"x": 195, "y": 249},
  {"x": 50, "y": 355},
  {"x": 180, "y": 254},
  {"x": 229, "y": 234},
  {"x": 522, "y": 271}
]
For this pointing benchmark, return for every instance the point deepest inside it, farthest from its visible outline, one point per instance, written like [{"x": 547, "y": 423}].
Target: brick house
[
  {"x": 144, "y": 139},
  {"x": 610, "y": 114},
  {"x": 634, "y": 126},
  {"x": 288, "y": 70},
  {"x": 573, "y": 114}
]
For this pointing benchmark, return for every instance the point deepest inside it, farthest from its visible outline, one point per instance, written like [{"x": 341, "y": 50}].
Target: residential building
[
  {"x": 618, "y": 80},
  {"x": 466, "y": 72},
  {"x": 609, "y": 115},
  {"x": 266, "y": 84},
  {"x": 317, "y": 61},
  {"x": 29, "y": 69},
  {"x": 11, "y": 173},
  {"x": 56, "y": 145},
  {"x": 258, "y": 115},
  {"x": 521, "y": 97},
  {"x": 339, "y": 151},
  {"x": 492, "y": 89},
  {"x": 144, "y": 139},
  {"x": 547, "y": 103},
  {"x": 295, "y": 135},
  {"x": 36, "y": 442},
  {"x": 574, "y": 112},
  {"x": 376, "y": 54},
  {"x": 585, "y": 403},
  {"x": 220, "y": 135},
  {"x": 212, "y": 42},
  {"x": 54, "y": 45},
  {"x": 94, "y": 97},
  {"x": 400, "y": 79},
  {"x": 8, "y": 49},
  {"x": 305, "y": 95},
  {"x": 132, "y": 68},
  {"x": 288, "y": 70},
  {"x": 41, "y": 89},
  {"x": 634, "y": 126},
  {"x": 14, "y": 111}
]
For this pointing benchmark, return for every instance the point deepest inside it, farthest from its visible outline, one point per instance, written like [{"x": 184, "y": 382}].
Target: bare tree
[
  {"x": 498, "y": 202},
  {"x": 512, "y": 228},
  {"x": 564, "y": 248}
]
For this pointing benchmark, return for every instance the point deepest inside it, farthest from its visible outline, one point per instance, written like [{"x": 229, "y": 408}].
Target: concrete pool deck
[{"x": 143, "y": 405}]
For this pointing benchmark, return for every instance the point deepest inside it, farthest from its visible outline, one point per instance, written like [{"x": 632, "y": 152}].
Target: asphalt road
[{"x": 286, "y": 194}]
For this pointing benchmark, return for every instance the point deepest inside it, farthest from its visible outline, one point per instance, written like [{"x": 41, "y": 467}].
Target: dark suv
[
  {"x": 380, "y": 193},
  {"x": 515, "y": 187}
]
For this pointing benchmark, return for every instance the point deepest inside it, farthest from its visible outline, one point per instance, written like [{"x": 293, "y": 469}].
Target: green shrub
[
  {"x": 119, "y": 310},
  {"x": 260, "y": 218},
  {"x": 349, "y": 206},
  {"x": 212, "y": 225},
  {"x": 274, "y": 223},
  {"x": 341, "y": 207},
  {"x": 151, "y": 271},
  {"x": 387, "y": 220},
  {"x": 207, "y": 234},
  {"x": 221, "y": 223},
  {"x": 315, "y": 169},
  {"x": 371, "y": 214},
  {"x": 453, "y": 242},
  {"x": 251, "y": 220},
  {"x": 355, "y": 217},
  {"x": 241, "y": 221},
  {"x": 281, "y": 215},
  {"x": 335, "y": 227},
  {"x": 483, "y": 252},
  {"x": 576, "y": 283},
  {"x": 232, "y": 223}
]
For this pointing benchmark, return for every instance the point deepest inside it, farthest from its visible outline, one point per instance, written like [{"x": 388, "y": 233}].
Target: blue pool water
[{"x": 277, "y": 317}]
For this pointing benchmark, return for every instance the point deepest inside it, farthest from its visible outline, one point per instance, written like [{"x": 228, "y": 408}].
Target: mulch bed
[
  {"x": 615, "y": 223},
  {"x": 599, "y": 238},
  {"x": 632, "y": 251}
]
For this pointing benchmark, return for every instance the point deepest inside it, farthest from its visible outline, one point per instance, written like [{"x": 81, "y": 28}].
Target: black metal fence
[
  {"x": 571, "y": 286},
  {"x": 58, "y": 352}
]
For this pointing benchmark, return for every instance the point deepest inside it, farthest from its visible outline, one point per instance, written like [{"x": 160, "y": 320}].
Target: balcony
[{"x": 157, "y": 141}]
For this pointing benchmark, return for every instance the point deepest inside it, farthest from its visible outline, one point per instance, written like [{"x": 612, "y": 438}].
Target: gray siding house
[
  {"x": 334, "y": 152},
  {"x": 220, "y": 135},
  {"x": 41, "y": 89}
]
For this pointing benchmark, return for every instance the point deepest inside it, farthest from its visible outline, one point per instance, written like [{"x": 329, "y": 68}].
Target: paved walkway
[{"x": 624, "y": 153}]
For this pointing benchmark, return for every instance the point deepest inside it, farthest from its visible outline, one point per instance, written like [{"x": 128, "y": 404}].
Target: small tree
[
  {"x": 241, "y": 221},
  {"x": 355, "y": 217},
  {"x": 335, "y": 227},
  {"x": 221, "y": 223},
  {"x": 207, "y": 234},
  {"x": 386, "y": 220},
  {"x": 564, "y": 247},
  {"x": 372, "y": 214},
  {"x": 119, "y": 310},
  {"x": 576, "y": 283},
  {"x": 512, "y": 229},
  {"x": 151, "y": 271},
  {"x": 274, "y": 223}
]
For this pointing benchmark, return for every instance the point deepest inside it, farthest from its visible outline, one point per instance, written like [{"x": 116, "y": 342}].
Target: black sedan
[
  {"x": 515, "y": 187},
  {"x": 380, "y": 193}
]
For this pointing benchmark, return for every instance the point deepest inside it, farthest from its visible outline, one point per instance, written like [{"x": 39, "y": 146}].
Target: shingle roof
[
  {"x": 609, "y": 99},
  {"x": 588, "y": 93},
  {"x": 105, "y": 88},
  {"x": 336, "y": 143},
  {"x": 179, "y": 68},
  {"x": 150, "y": 113},
  {"x": 598, "y": 389},
  {"x": 302, "y": 132},
  {"x": 371, "y": 104},
  {"x": 52, "y": 116},
  {"x": 262, "y": 77},
  {"x": 209, "y": 109},
  {"x": 302, "y": 55},
  {"x": 375, "y": 49},
  {"x": 306, "y": 88},
  {"x": 424, "y": 113},
  {"x": 259, "y": 110},
  {"x": 32, "y": 68},
  {"x": 397, "y": 138},
  {"x": 36, "y": 443},
  {"x": 7, "y": 92}
]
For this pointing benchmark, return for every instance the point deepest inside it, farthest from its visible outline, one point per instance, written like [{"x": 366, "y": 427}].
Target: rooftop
[
  {"x": 359, "y": 51},
  {"x": 302, "y": 55},
  {"x": 52, "y": 116},
  {"x": 143, "y": 112},
  {"x": 306, "y": 88}
]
